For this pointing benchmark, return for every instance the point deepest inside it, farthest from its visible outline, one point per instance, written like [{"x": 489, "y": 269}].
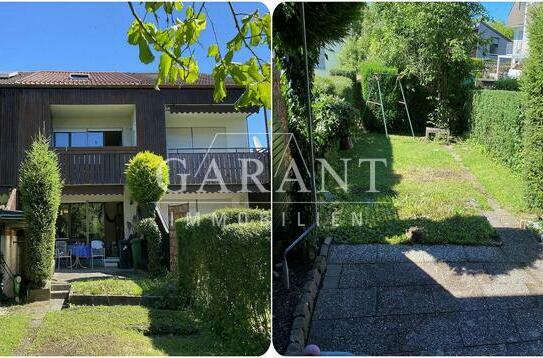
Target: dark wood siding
[{"x": 26, "y": 111}]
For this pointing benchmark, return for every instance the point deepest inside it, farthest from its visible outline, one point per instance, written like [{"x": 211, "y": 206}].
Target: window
[
  {"x": 106, "y": 138},
  {"x": 79, "y": 76},
  {"x": 493, "y": 49},
  {"x": 62, "y": 139},
  {"x": 113, "y": 138}
]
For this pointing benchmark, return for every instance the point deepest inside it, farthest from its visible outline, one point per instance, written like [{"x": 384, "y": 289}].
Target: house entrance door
[{"x": 175, "y": 212}]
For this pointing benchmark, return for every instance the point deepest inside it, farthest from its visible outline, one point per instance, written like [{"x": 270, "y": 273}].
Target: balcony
[
  {"x": 87, "y": 166},
  {"x": 195, "y": 162},
  {"x": 106, "y": 165}
]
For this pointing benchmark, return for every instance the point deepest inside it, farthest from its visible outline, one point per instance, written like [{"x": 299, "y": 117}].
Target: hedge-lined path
[{"x": 435, "y": 299}]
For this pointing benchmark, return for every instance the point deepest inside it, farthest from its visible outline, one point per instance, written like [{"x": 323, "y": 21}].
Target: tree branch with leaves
[{"x": 172, "y": 30}]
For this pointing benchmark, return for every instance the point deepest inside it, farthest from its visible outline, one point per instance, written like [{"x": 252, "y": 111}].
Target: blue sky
[
  {"x": 92, "y": 37},
  {"x": 498, "y": 10}
]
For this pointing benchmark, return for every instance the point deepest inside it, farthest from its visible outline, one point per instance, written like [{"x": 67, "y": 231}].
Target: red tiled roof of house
[{"x": 95, "y": 79}]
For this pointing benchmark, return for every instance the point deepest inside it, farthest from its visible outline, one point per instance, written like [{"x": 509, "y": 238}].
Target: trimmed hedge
[
  {"x": 342, "y": 87},
  {"x": 40, "y": 186},
  {"x": 506, "y": 84},
  {"x": 150, "y": 232},
  {"x": 224, "y": 272},
  {"x": 351, "y": 74},
  {"x": 532, "y": 86},
  {"x": 497, "y": 125},
  {"x": 372, "y": 116}
]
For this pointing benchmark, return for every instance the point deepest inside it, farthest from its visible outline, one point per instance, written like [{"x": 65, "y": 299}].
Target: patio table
[{"x": 80, "y": 250}]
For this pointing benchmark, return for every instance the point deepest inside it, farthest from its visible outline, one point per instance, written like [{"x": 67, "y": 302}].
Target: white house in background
[
  {"x": 496, "y": 43},
  {"x": 518, "y": 50},
  {"x": 328, "y": 59}
]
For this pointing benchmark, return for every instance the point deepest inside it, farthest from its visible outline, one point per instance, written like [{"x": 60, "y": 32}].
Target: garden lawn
[
  {"x": 124, "y": 330},
  {"x": 13, "y": 328},
  {"x": 141, "y": 286},
  {"x": 422, "y": 185},
  {"x": 507, "y": 187}
]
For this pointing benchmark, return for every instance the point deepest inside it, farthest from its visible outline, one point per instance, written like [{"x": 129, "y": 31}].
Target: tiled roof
[{"x": 95, "y": 79}]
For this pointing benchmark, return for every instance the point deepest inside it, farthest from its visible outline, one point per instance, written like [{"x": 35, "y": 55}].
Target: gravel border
[{"x": 304, "y": 309}]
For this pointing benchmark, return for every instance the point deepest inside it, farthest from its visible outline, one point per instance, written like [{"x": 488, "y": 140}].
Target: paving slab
[
  {"x": 533, "y": 348},
  {"x": 367, "y": 275},
  {"x": 352, "y": 254},
  {"x": 405, "y": 300},
  {"x": 488, "y": 327},
  {"x": 345, "y": 303},
  {"x": 529, "y": 323},
  {"x": 431, "y": 332},
  {"x": 430, "y": 300}
]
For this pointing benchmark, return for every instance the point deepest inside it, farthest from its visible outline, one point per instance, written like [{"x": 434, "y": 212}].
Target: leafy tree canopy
[
  {"x": 431, "y": 42},
  {"x": 172, "y": 30}
]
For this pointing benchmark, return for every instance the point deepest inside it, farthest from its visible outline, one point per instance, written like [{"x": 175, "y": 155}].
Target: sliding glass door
[{"x": 81, "y": 222}]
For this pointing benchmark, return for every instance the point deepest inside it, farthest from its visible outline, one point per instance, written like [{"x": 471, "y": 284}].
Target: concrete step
[
  {"x": 60, "y": 286},
  {"x": 56, "y": 304},
  {"x": 60, "y": 294}
]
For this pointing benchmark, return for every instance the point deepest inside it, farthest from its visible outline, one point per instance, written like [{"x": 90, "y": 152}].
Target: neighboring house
[
  {"x": 495, "y": 43},
  {"x": 99, "y": 120},
  {"x": 518, "y": 50},
  {"x": 328, "y": 59}
]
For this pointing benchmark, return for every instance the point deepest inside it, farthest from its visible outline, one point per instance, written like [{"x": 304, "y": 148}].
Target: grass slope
[
  {"x": 125, "y": 330},
  {"x": 13, "y": 328},
  {"x": 506, "y": 186},
  {"x": 144, "y": 286},
  {"x": 422, "y": 185}
]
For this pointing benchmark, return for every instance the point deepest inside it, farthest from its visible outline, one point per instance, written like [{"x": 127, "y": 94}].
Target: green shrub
[
  {"x": 334, "y": 119},
  {"x": 149, "y": 231},
  {"x": 532, "y": 86},
  {"x": 506, "y": 84},
  {"x": 339, "y": 86},
  {"x": 224, "y": 272},
  {"x": 351, "y": 74},
  {"x": 40, "y": 186},
  {"x": 147, "y": 177},
  {"x": 372, "y": 116},
  {"x": 497, "y": 125}
]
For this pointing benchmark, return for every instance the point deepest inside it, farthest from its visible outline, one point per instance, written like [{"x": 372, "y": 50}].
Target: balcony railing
[
  {"x": 90, "y": 166},
  {"x": 94, "y": 165},
  {"x": 195, "y": 163}
]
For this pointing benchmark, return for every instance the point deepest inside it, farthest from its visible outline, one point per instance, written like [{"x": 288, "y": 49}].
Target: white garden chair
[
  {"x": 62, "y": 252},
  {"x": 98, "y": 251}
]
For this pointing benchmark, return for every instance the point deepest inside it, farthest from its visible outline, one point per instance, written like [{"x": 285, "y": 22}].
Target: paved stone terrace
[{"x": 433, "y": 300}]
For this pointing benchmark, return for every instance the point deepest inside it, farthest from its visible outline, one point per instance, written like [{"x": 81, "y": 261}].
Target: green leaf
[
  {"x": 134, "y": 33},
  {"x": 264, "y": 92},
  {"x": 219, "y": 93},
  {"x": 255, "y": 34},
  {"x": 213, "y": 51},
  {"x": 146, "y": 56},
  {"x": 164, "y": 67}
]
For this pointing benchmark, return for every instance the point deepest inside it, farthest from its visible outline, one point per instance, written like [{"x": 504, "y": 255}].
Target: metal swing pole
[
  {"x": 312, "y": 160},
  {"x": 382, "y": 107},
  {"x": 406, "y": 109}
]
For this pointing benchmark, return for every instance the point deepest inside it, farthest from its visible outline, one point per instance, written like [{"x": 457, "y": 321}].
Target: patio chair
[
  {"x": 98, "y": 251},
  {"x": 62, "y": 252}
]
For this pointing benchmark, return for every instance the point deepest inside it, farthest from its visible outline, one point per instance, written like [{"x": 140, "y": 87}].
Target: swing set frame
[{"x": 376, "y": 77}]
